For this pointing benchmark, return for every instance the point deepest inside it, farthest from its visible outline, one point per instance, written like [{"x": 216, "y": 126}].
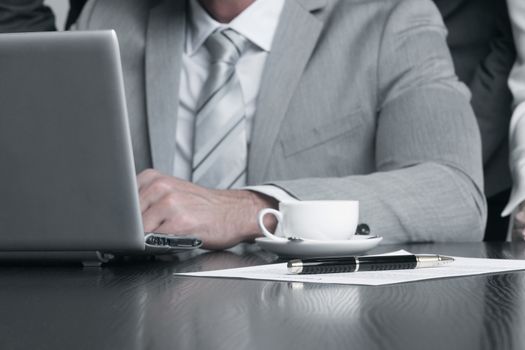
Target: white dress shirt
[
  {"x": 258, "y": 23},
  {"x": 517, "y": 124}
]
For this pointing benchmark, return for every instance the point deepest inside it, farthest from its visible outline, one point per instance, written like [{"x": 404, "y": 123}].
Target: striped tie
[{"x": 220, "y": 149}]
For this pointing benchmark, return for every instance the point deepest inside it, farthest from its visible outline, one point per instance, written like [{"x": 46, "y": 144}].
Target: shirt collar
[{"x": 258, "y": 23}]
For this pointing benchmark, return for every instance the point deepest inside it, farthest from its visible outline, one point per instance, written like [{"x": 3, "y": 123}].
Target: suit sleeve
[
  {"x": 517, "y": 124},
  {"x": 428, "y": 184},
  {"x": 25, "y": 16}
]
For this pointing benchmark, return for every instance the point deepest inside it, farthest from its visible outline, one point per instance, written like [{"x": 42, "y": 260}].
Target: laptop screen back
[{"x": 67, "y": 178}]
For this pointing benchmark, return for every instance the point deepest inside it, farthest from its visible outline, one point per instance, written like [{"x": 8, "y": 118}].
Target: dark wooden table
[{"x": 141, "y": 305}]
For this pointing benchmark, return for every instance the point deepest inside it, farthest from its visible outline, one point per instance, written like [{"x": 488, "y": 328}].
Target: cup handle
[{"x": 260, "y": 220}]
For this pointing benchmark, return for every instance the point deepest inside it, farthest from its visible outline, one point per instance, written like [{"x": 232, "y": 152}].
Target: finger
[
  {"x": 161, "y": 211},
  {"x": 518, "y": 226},
  {"x": 518, "y": 235},
  {"x": 146, "y": 177},
  {"x": 169, "y": 227},
  {"x": 152, "y": 219},
  {"x": 520, "y": 218},
  {"x": 152, "y": 194}
]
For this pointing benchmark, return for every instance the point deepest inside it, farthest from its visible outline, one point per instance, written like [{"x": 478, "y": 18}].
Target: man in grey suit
[{"x": 304, "y": 99}]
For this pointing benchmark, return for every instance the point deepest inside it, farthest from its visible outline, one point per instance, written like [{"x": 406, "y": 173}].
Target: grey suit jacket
[{"x": 359, "y": 100}]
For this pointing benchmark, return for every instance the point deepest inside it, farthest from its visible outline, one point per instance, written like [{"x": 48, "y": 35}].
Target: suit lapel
[
  {"x": 164, "y": 47},
  {"x": 295, "y": 39}
]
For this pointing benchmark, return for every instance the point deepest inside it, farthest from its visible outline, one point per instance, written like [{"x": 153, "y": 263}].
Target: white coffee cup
[{"x": 318, "y": 220}]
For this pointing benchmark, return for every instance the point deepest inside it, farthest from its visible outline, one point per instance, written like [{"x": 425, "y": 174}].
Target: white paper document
[{"x": 460, "y": 267}]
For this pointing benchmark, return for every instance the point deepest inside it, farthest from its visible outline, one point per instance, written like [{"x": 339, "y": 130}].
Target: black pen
[{"x": 366, "y": 263}]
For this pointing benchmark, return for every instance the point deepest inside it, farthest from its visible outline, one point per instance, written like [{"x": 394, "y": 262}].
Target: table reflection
[{"x": 139, "y": 305}]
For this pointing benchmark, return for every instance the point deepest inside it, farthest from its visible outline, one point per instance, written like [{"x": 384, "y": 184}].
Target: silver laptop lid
[{"x": 67, "y": 178}]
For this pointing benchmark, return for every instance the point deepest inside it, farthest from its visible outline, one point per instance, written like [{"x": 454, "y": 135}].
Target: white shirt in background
[{"x": 517, "y": 124}]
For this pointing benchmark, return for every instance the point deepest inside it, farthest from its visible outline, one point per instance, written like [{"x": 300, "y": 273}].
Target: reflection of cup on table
[{"x": 318, "y": 220}]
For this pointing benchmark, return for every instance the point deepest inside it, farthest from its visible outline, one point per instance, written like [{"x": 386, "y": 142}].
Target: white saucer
[{"x": 311, "y": 248}]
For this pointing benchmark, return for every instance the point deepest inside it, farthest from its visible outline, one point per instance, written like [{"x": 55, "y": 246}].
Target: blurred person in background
[
  {"x": 482, "y": 48},
  {"x": 517, "y": 127}
]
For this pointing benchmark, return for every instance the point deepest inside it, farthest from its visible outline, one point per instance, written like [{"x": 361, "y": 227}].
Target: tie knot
[{"x": 226, "y": 46}]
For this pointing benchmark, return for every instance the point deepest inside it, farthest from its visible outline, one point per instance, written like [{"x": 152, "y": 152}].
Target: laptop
[{"x": 67, "y": 176}]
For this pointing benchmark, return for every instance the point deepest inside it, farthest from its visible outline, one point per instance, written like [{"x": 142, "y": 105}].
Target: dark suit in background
[
  {"x": 25, "y": 16},
  {"x": 33, "y": 15},
  {"x": 74, "y": 11},
  {"x": 480, "y": 39}
]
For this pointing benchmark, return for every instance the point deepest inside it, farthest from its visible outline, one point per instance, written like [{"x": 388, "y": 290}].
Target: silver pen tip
[
  {"x": 433, "y": 260},
  {"x": 445, "y": 258}
]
